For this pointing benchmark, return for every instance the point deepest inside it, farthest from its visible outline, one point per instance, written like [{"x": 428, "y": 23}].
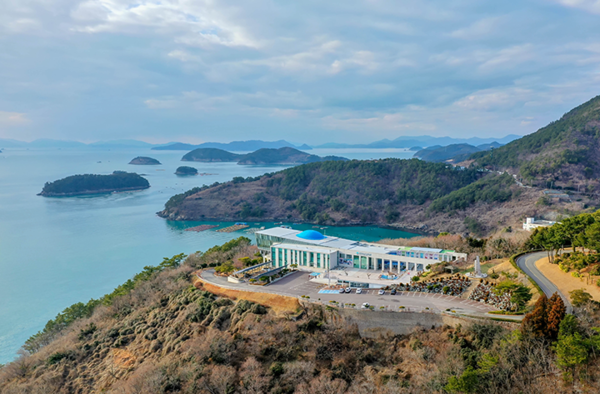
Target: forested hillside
[
  {"x": 565, "y": 153},
  {"x": 381, "y": 192}
]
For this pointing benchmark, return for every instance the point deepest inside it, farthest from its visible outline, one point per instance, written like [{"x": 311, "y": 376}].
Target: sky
[{"x": 308, "y": 72}]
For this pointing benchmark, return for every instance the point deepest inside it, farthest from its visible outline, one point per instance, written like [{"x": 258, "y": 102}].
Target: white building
[
  {"x": 315, "y": 252},
  {"x": 531, "y": 223}
]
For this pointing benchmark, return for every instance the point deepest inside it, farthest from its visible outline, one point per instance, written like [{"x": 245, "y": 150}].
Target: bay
[{"x": 58, "y": 251}]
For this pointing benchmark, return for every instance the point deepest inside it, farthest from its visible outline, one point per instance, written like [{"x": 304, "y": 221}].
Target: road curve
[{"x": 527, "y": 264}]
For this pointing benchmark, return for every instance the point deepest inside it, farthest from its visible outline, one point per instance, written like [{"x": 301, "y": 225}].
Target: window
[
  {"x": 318, "y": 260},
  {"x": 355, "y": 262}
]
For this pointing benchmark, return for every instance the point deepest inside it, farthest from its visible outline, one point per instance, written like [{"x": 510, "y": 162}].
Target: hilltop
[
  {"x": 285, "y": 155},
  {"x": 77, "y": 185},
  {"x": 185, "y": 170},
  {"x": 210, "y": 155},
  {"x": 564, "y": 153},
  {"x": 412, "y": 194},
  {"x": 145, "y": 161},
  {"x": 452, "y": 153}
]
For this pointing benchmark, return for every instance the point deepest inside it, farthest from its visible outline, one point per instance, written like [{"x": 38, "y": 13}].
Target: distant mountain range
[
  {"x": 239, "y": 146},
  {"x": 285, "y": 155},
  {"x": 407, "y": 142}
]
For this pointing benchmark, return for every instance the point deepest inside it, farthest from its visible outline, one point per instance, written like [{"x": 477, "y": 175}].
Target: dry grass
[
  {"x": 279, "y": 303},
  {"x": 564, "y": 280}
]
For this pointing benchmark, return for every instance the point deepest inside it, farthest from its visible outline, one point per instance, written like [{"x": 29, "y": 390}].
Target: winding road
[{"x": 527, "y": 264}]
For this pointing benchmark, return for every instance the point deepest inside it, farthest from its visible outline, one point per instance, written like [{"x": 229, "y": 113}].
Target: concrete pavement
[
  {"x": 527, "y": 264},
  {"x": 297, "y": 285}
]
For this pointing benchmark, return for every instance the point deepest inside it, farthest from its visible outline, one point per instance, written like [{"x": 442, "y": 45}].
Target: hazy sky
[{"x": 305, "y": 71}]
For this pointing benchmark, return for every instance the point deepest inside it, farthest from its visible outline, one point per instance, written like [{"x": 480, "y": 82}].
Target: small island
[
  {"x": 86, "y": 184},
  {"x": 185, "y": 170},
  {"x": 286, "y": 155},
  {"x": 145, "y": 161},
  {"x": 210, "y": 155}
]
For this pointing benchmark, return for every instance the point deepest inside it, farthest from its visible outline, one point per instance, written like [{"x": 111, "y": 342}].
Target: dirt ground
[
  {"x": 565, "y": 281},
  {"x": 280, "y": 304}
]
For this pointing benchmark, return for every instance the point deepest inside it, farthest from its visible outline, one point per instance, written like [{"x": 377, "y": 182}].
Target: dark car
[{"x": 393, "y": 292}]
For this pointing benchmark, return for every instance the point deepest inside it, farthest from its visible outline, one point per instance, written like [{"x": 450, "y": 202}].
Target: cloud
[
  {"x": 321, "y": 70},
  {"x": 194, "y": 23},
  {"x": 592, "y": 6},
  {"x": 13, "y": 118}
]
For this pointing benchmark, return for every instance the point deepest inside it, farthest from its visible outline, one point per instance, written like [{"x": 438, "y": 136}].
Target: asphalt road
[
  {"x": 527, "y": 264},
  {"x": 297, "y": 285}
]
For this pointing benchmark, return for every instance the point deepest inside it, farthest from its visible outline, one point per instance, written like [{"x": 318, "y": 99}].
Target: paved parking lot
[{"x": 297, "y": 285}]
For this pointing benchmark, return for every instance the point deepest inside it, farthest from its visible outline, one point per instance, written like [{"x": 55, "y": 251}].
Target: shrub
[
  {"x": 415, "y": 278},
  {"x": 579, "y": 297}
]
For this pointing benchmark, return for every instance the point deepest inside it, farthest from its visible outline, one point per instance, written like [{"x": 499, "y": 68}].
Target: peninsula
[
  {"x": 145, "y": 161},
  {"x": 185, "y": 170},
  {"x": 86, "y": 184}
]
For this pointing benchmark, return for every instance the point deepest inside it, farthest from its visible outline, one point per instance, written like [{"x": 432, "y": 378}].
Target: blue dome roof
[{"x": 311, "y": 235}]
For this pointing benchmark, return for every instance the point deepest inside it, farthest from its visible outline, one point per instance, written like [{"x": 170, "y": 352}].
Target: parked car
[
  {"x": 359, "y": 291},
  {"x": 393, "y": 292},
  {"x": 347, "y": 290},
  {"x": 365, "y": 305},
  {"x": 381, "y": 292},
  {"x": 341, "y": 291}
]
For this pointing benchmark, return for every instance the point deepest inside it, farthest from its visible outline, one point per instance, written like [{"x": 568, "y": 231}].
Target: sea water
[{"x": 55, "y": 252}]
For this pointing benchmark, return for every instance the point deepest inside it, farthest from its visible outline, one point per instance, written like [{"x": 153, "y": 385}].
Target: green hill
[
  {"x": 94, "y": 184},
  {"x": 210, "y": 155},
  {"x": 565, "y": 152},
  {"x": 358, "y": 192},
  {"x": 284, "y": 155}
]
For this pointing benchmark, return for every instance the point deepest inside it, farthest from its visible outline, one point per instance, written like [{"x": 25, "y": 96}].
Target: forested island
[
  {"x": 285, "y": 155},
  {"x": 185, "y": 170},
  {"x": 145, "y": 161},
  {"x": 210, "y": 155},
  {"x": 77, "y": 185}
]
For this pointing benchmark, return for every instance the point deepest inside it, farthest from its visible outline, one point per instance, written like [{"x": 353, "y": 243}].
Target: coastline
[
  {"x": 92, "y": 192},
  {"x": 407, "y": 229}
]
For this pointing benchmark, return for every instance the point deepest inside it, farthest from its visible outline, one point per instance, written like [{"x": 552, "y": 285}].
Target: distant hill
[
  {"x": 284, "y": 156},
  {"x": 185, "y": 170},
  {"x": 565, "y": 153},
  {"x": 210, "y": 155},
  {"x": 77, "y": 185},
  {"x": 454, "y": 153},
  {"x": 407, "y": 142},
  {"x": 238, "y": 146},
  {"x": 144, "y": 161}
]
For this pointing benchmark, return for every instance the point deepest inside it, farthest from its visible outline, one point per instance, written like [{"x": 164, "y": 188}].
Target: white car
[
  {"x": 341, "y": 291},
  {"x": 381, "y": 292},
  {"x": 348, "y": 290},
  {"x": 365, "y": 305},
  {"x": 359, "y": 291}
]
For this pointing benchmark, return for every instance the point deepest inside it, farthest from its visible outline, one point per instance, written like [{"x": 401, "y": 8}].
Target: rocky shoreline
[{"x": 423, "y": 230}]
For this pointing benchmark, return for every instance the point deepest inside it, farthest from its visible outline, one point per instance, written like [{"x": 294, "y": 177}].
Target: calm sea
[{"x": 58, "y": 251}]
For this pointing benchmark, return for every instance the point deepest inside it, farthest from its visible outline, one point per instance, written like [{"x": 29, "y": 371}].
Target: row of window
[
  {"x": 416, "y": 255},
  {"x": 280, "y": 257}
]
